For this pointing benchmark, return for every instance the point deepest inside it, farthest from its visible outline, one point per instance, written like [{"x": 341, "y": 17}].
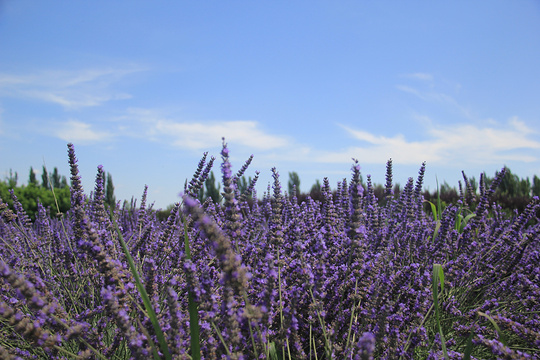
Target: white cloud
[
  {"x": 79, "y": 132},
  {"x": 203, "y": 135},
  {"x": 70, "y": 89},
  {"x": 199, "y": 135},
  {"x": 446, "y": 145}
]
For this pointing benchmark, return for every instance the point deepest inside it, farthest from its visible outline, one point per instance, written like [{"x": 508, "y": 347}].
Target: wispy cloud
[
  {"x": 79, "y": 132},
  {"x": 197, "y": 135},
  {"x": 457, "y": 144},
  {"x": 428, "y": 90},
  {"x": 70, "y": 89},
  {"x": 419, "y": 76},
  {"x": 433, "y": 96},
  {"x": 201, "y": 135}
]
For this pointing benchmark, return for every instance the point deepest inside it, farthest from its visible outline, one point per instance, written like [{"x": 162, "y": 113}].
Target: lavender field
[{"x": 272, "y": 278}]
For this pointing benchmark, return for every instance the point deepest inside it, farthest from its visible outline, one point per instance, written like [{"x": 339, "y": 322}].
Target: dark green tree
[
  {"x": 45, "y": 178},
  {"x": 63, "y": 182},
  {"x": 294, "y": 180},
  {"x": 243, "y": 184},
  {"x": 12, "y": 179},
  {"x": 512, "y": 186},
  {"x": 110, "y": 199},
  {"x": 211, "y": 189},
  {"x": 32, "y": 177},
  {"x": 536, "y": 186},
  {"x": 30, "y": 194},
  {"x": 316, "y": 187},
  {"x": 55, "y": 178}
]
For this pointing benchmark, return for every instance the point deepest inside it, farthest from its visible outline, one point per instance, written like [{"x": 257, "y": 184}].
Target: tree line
[
  {"x": 52, "y": 191},
  {"x": 513, "y": 192}
]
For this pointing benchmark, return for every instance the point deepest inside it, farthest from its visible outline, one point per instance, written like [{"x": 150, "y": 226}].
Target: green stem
[
  {"x": 193, "y": 310},
  {"x": 144, "y": 295}
]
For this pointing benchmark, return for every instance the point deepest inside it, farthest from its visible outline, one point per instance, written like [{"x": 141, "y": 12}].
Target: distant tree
[
  {"x": 211, "y": 189},
  {"x": 512, "y": 186},
  {"x": 63, "y": 182},
  {"x": 536, "y": 186},
  {"x": 12, "y": 179},
  {"x": 316, "y": 186},
  {"x": 294, "y": 180},
  {"x": 243, "y": 184},
  {"x": 315, "y": 192},
  {"x": 30, "y": 194},
  {"x": 55, "y": 178},
  {"x": 110, "y": 199},
  {"x": 397, "y": 190},
  {"x": 32, "y": 177},
  {"x": 44, "y": 178}
]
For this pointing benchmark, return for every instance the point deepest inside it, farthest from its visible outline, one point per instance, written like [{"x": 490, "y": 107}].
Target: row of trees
[
  {"x": 513, "y": 192},
  {"x": 52, "y": 192}
]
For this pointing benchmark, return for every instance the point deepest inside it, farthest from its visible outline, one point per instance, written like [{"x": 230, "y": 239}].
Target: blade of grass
[
  {"x": 438, "y": 275},
  {"x": 352, "y": 316},
  {"x": 142, "y": 291},
  {"x": 193, "y": 310},
  {"x": 221, "y": 338},
  {"x": 433, "y": 209},
  {"x": 435, "y": 218},
  {"x": 502, "y": 339},
  {"x": 468, "y": 347},
  {"x": 439, "y": 205},
  {"x": 273, "y": 351},
  {"x": 327, "y": 345},
  {"x": 466, "y": 221}
]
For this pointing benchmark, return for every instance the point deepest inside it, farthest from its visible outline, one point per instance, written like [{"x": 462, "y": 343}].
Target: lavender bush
[{"x": 341, "y": 278}]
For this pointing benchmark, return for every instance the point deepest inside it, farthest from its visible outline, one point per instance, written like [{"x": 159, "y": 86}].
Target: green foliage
[
  {"x": 29, "y": 195},
  {"x": 512, "y": 186},
  {"x": 212, "y": 190},
  {"x": 44, "y": 178},
  {"x": 243, "y": 184},
  {"x": 12, "y": 179},
  {"x": 32, "y": 177},
  {"x": 110, "y": 199},
  {"x": 50, "y": 179},
  {"x": 438, "y": 276},
  {"x": 144, "y": 295},
  {"x": 536, "y": 186},
  {"x": 294, "y": 181},
  {"x": 316, "y": 187}
]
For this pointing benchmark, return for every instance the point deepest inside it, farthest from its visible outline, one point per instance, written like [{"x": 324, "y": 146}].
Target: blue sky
[{"x": 145, "y": 87}]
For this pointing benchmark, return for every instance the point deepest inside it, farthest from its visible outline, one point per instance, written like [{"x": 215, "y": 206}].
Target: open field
[{"x": 342, "y": 278}]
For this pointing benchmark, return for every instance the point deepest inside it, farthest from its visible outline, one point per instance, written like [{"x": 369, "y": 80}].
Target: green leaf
[
  {"x": 273, "y": 352},
  {"x": 502, "y": 338},
  {"x": 468, "y": 347},
  {"x": 439, "y": 205},
  {"x": 467, "y": 218},
  {"x": 438, "y": 275},
  {"x": 193, "y": 310},
  {"x": 438, "y": 272},
  {"x": 459, "y": 226},
  {"x": 433, "y": 209},
  {"x": 144, "y": 295},
  {"x": 436, "y": 231}
]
